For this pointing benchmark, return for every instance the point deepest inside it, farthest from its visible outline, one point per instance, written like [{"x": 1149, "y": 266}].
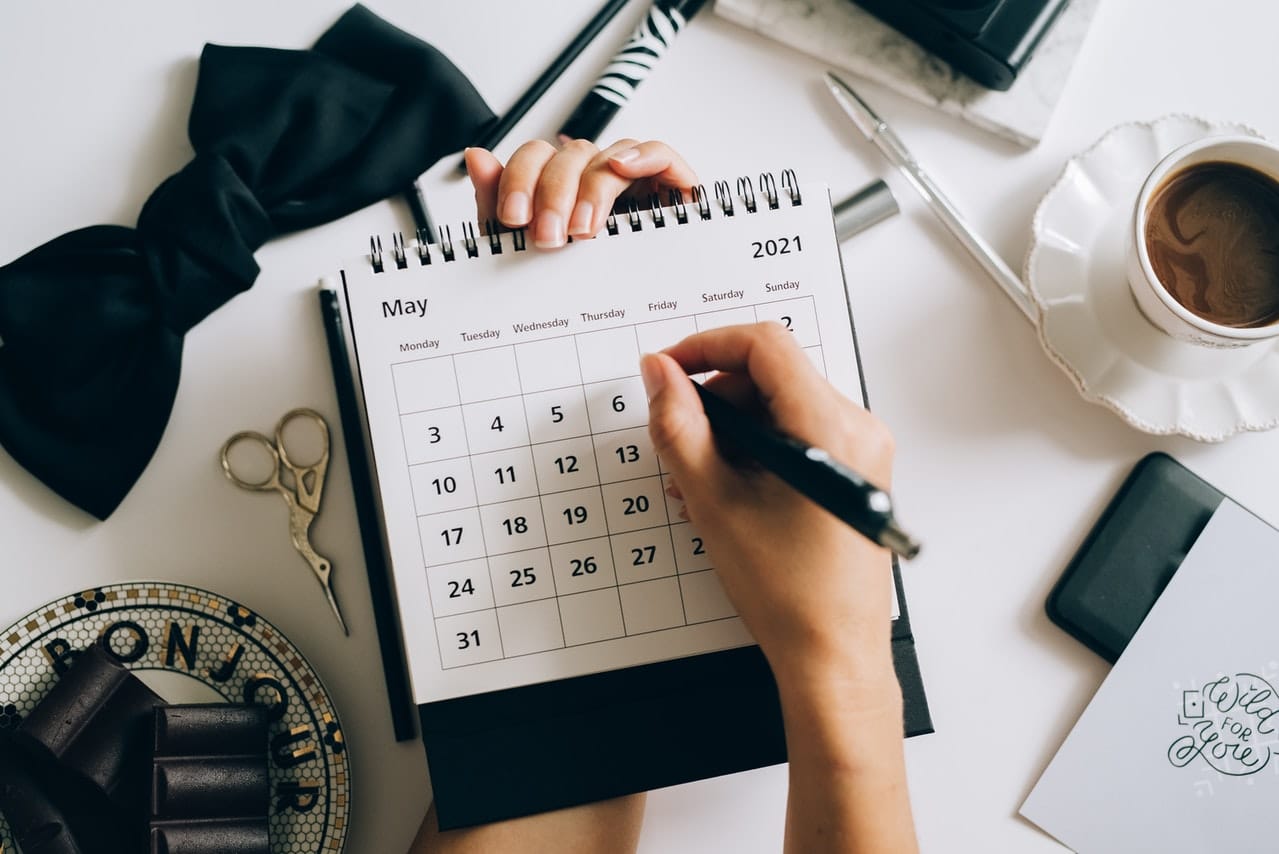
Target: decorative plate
[
  {"x": 1089, "y": 323},
  {"x": 178, "y": 634}
]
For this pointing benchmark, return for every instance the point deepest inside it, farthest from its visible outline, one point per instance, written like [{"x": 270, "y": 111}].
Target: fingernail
[
  {"x": 651, "y": 372},
  {"x": 548, "y": 231},
  {"x": 515, "y": 210},
  {"x": 626, "y": 155},
  {"x": 580, "y": 222}
]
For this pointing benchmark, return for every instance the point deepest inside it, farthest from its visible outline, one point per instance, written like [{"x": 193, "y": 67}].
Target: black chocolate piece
[
  {"x": 210, "y": 787},
  {"x": 207, "y": 730},
  {"x": 249, "y": 836},
  {"x": 94, "y": 722},
  {"x": 211, "y": 784},
  {"x": 37, "y": 824},
  {"x": 52, "y": 811}
]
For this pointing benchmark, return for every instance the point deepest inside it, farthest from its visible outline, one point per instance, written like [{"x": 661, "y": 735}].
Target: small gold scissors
[{"x": 302, "y": 495}]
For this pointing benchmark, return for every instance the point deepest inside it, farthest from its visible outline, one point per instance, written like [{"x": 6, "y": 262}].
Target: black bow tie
[{"x": 91, "y": 323}]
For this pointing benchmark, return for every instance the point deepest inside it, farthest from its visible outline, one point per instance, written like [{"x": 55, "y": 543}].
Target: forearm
[
  {"x": 847, "y": 767},
  {"x": 606, "y": 827}
]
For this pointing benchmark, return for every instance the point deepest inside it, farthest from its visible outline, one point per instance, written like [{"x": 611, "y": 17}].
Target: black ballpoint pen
[{"x": 813, "y": 473}]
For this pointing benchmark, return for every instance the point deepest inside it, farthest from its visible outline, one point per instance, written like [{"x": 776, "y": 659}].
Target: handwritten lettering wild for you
[{"x": 1232, "y": 722}]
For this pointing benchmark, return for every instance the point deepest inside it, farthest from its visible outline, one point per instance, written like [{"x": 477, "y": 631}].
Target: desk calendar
[{"x": 529, "y": 532}]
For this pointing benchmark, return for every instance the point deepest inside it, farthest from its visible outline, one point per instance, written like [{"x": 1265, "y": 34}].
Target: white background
[{"x": 1002, "y": 467}]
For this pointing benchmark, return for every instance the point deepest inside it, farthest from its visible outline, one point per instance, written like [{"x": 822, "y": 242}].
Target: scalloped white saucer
[{"x": 1089, "y": 323}]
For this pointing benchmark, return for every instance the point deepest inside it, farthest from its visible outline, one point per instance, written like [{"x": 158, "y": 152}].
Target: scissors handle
[
  {"x": 269, "y": 484},
  {"x": 309, "y": 478}
]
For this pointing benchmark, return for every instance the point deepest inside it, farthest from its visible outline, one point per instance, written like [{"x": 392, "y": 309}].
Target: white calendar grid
[{"x": 541, "y": 504}]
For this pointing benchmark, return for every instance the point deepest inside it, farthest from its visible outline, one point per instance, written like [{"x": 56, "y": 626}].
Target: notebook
[
  {"x": 848, "y": 37},
  {"x": 564, "y": 633}
]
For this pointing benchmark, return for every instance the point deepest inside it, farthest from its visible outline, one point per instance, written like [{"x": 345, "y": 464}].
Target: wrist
[
  {"x": 813, "y": 660},
  {"x": 848, "y": 696},
  {"x": 848, "y": 713}
]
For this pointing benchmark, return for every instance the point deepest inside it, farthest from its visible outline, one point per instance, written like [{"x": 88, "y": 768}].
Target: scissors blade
[
  {"x": 299, "y": 531},
  {"x": 337, "y": 612},
  {"x": 308, "y": 480}
]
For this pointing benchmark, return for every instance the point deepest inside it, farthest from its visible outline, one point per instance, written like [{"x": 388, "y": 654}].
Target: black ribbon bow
[{"x": 91, "y": 323}]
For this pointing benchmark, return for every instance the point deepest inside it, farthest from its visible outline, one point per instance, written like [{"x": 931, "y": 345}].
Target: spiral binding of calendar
[{"x": 726, "y": 199}]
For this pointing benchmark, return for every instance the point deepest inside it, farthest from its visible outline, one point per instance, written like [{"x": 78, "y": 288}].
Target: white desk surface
[{"x": 1002, "y": 467}]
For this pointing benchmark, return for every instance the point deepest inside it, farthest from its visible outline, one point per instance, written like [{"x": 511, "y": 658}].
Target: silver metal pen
[{"x": 878, "y": 132}]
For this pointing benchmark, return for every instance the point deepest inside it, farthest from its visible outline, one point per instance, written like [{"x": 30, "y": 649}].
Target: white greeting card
[{"x": 1177, "y": 752}]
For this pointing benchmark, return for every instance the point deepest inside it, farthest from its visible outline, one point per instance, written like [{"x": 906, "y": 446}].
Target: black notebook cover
[{"x": 539, "y": 747}]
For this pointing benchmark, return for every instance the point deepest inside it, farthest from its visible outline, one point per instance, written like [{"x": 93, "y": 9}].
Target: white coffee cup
[{"x": 1155, "y": 301}]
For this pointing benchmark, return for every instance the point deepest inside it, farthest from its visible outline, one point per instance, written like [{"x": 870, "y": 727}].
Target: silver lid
[{"x": 872, "y": 204}]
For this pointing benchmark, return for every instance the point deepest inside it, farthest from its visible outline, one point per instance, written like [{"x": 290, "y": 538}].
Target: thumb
[{"x": 677, "y": 425}]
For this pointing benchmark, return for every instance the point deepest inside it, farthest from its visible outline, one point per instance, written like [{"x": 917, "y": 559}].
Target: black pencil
[
  {"x": 812, "y": 472},
  {"x": 403, "y": 711},
  {"x": 499, "y": 129},
  {"x": 421, "y": 215}
]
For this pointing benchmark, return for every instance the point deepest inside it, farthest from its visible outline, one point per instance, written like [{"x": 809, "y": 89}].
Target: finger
[
  {"x": 519, "y": 181},
  {"x": 598, "y": 190},
  {"x": 556, "y": 192},
  {"x": 799, "y": 399},
  {"x": 766, "y": 352},
  {"x": 737, "y": 389},
  {"x": 485, "y": 171},
  {"x": 866, "y": 444},
  {"x": 678, "y": 426},
  {"x": 740, "y": 394},
  {"x": 655, "y": 160},
  {"x": 862, "y": 440},
  {"x": 673, "y": 490}
]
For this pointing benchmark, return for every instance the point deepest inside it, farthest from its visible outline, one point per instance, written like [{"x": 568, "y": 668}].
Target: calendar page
[{"x": 530, "y": 533}]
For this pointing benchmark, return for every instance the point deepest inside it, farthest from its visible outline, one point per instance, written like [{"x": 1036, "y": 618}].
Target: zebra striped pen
[{"x": 629, "y": 67}]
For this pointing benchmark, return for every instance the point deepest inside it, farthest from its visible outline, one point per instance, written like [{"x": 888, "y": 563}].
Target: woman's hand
[
  {"x": 571, "y": 190},
  {"x": 815, "y": 593}
]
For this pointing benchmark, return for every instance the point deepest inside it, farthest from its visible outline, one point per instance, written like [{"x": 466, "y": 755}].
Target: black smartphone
[{"x": 1132, "y": 552}]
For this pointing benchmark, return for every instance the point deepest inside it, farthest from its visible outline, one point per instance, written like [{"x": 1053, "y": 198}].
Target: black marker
[
  {"x": 813, "y": 473},
  {"x": 649, "y": 43}
]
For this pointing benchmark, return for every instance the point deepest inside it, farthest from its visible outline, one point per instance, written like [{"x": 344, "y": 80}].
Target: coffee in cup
[{"x": 1203, "y": 259}]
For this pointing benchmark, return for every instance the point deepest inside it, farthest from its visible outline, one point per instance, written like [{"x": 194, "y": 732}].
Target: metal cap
[
  {"x": 871, "y": 204},
  {"x": 897, "y": 540}
]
